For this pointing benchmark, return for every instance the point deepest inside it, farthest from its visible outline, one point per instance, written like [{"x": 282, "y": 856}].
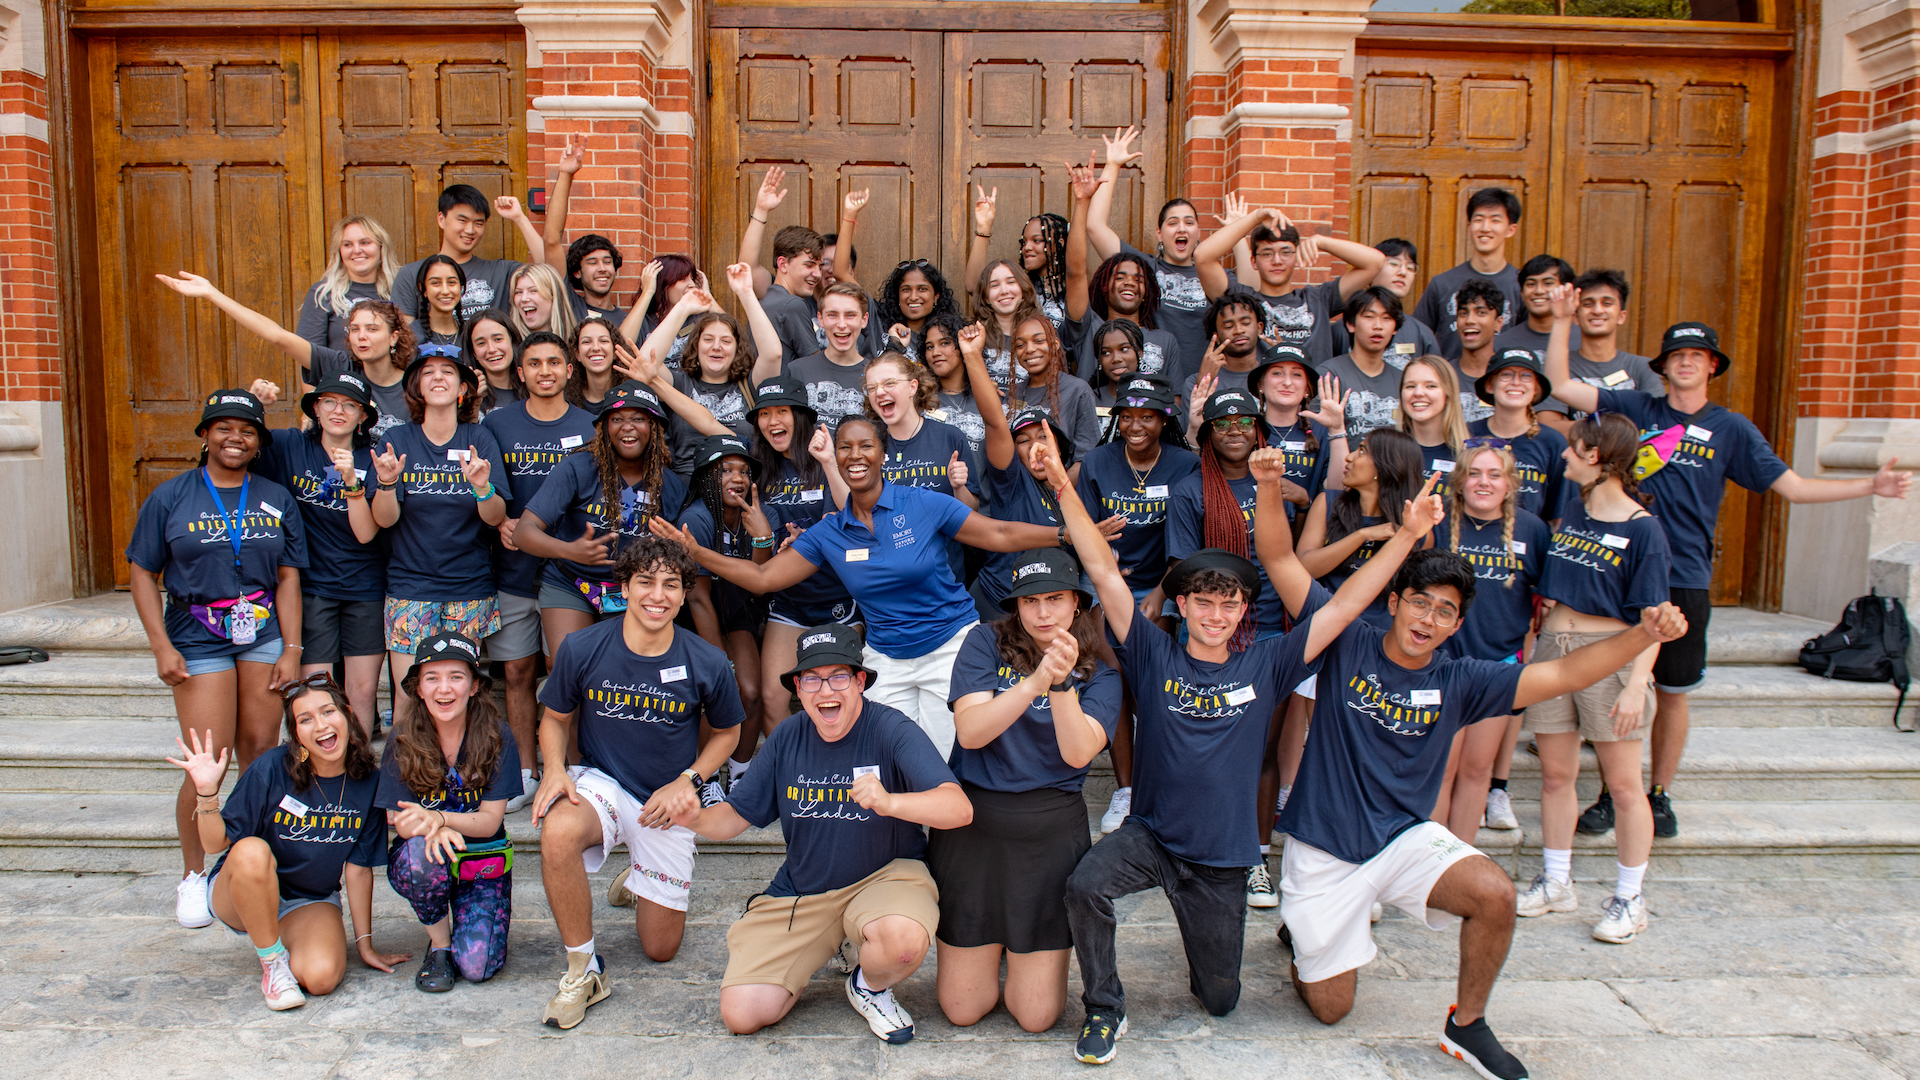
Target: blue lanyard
[{"x": 232, "y": 520}]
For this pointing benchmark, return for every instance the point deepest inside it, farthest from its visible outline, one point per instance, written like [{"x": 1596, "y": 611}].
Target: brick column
[
  {"x": 1859, "y": 380},
  {"x": 1268, "y": 109},
  {"x": 617, "y": 76}
]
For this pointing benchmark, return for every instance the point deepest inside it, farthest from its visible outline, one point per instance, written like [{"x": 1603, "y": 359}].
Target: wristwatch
[
  {"x": 1060, "y": 688},
  {"x": 694, "y": 776}
]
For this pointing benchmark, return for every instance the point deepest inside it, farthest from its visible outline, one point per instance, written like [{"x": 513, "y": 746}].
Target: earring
[{"x": 300, "y": 754}]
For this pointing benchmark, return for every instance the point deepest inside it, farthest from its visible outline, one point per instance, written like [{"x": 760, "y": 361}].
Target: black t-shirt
[
  {"x": 442, "y": 551},
  {"x": 1436, "y": 307},
  {"x": 1141, "y": 547},
  {"x": 459, "y": 794},
  {"x": 531, "y": 449},
  {"x": 1626, "y": 371},
  {"x": 573, "y": 497},
  {"x": 806, "y": 782},
  {"x": 1026, "y": 756},
  {"x": 1159, "y": 351},
  {"x": 487, "y": 286},
  {"x": 313, "y": 832},
  {"x": 339, "y": 566},
  {"x": 1371, "y": 399},
  {"x": 1606, "y": 568},
  {"x": 1541, "y": 468},
  {"x": 1496, "y": 625}
]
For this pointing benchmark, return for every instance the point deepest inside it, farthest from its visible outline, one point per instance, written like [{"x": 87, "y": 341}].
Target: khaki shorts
[
  {"x": 1583, "y": 710},
  {"x": 785, "y": 939}
]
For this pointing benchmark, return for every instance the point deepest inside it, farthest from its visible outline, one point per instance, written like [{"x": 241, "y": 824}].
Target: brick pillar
[
  {"x": 1268, "y": 109},
  {"x": 1859, "y": 378},
  {"x": 616, "y": 76}
]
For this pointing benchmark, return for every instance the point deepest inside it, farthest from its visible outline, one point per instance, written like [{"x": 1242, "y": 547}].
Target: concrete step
[
  {"x": 1843, "y": 764},
  {"x": 1744, "y": 636},
  {"x": 1763, "y": 696},
  {"x": 106, "y": 623}
]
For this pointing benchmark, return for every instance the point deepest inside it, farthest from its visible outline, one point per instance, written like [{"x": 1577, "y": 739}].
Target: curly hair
[
  {"x": 404, "y": 346},
  {"x": 416, "y": 746},
  {"x": 655, "y": 459},
  {"x": 1149, "y": 289},
  {"x": 649, "y": 552},
  {"x": 926, "y": 393},
  {"x": 1020, "y": 652},
  {"x": 360, "y": 760},
  {"x": 744, "y": 353},
  {"x": 584, "y": 246},
  {"x": 944, "y": 304}
]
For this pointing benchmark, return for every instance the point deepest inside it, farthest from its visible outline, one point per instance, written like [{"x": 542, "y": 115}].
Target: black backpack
[{"x": 1868, "y": 645}]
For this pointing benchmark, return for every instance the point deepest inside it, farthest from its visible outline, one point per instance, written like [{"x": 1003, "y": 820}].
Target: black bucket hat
[
  {"x": 445, "y": 645},
  {"x": 1040, "y": 414},
  {"x": 234, "y": 405},
  {"x": 631, "y": 395},
  {"x": 781, "y": 390},
  {"x": 1041, "y": 571},
  {"x": 1284, "y": 354},
  {"x": 1238, "y": 567},
  {"x": 350, "y": 386},
  {"x": 1520, "y": 358},
  {"x": 468, "y": 373},
  {"x": 1145, "y": 392},
  {"x": 1234, "y": 401},
  {"x": 1691, "y": 335},
  {"x": 823, "y": 646},
  {"x": 723, "y": 446}
]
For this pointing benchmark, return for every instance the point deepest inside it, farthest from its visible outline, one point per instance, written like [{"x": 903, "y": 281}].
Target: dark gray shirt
[
  {"x": 320, "y": 324},
  {"x": 835, "y": 392},
  {"x": 793, "y": 319},
  {"x": 1371, "y": 399},
  {"x": 486, "y": 286},
  {"x": 1436, "y": 304},
  {"x": 1626, "y": 371}
]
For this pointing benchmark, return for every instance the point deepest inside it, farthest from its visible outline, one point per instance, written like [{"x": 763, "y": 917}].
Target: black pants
[{"x": 1209, "y": 903}]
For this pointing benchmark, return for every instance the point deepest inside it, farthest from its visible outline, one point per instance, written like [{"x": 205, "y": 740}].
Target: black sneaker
[
  {"x": 1665, "y": 825},
  {"x": 1475, "y": 1045},
  {"x": 436, "y": 975},
  {"x": 1598, "y": 818},
  {"x": 1097, "y": 1037}
]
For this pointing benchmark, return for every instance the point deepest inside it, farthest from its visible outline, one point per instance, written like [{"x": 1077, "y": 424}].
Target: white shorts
[
  {"x": 662, "y": 858},
  {"x": 1327, "y": 903}
]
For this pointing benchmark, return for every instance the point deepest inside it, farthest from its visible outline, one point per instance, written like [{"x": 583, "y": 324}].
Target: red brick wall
[{"x": 29, "y": 324}]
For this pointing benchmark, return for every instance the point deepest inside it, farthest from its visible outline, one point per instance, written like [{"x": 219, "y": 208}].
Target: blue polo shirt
[{"x": 898, "y": 570}]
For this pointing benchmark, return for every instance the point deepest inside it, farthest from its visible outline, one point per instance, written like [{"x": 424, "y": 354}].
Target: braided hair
[
  {"x": 1224, "y": 526},
  {"x": 944, "y": 305},
  {"x": 1617, "y": 440},
  {"x": 708, "y": 490},
  {"x": 1457, "y": 501},
  {"x": 1053, "y": 275},
  {"x": 1149, "y": 289},
  {"x": 654, "y": 460}
]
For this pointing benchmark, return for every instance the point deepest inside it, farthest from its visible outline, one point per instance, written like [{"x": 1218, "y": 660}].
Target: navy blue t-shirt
[
  {"x": 1537, "y": 459},
  {"x": 639, "y": 716},
  {"x": 1381, "y": 735},
  {"x": 802, "y": 504},
  {"x": 339, "y": 566},
  {"x": 806, "y": 782},
  {"x": 1607, "y": 568},
  {"x": 1440, "y": 459},
  {"x": 532, "y": 449},
  {"x": 441, "y": 549},
  {"x": 182, "y": 536},
  {"x": 460, "y": 794},
  {"x": 1014, "y": 495},
  {"x": 1026, "y": 756},
  {"x": 1308, "y": 468},
  {"x": 1141, "y": 547},
  {"x": 1496, "y": 625},
  {"x": 314, "y": 832},
  {"x": 1200, "y": 731},
  {"x": 898, "y": 569},
  {"x": 572, "y": 498},
  {"x": 1717, "y": 445},
  {"x": 1376, "y": 612},
  {"x": 1187, "y": 533}
]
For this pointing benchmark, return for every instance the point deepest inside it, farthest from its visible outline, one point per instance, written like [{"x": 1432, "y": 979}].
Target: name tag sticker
[
  {"x": 568, "y": 442},
  {"x": 1613, "y": 541},
  {"x": 1425, "y": 697},
  {"x": 1103, "y": 410},
  {"x": 359, "y": 474},
  {"x": 938, "y": 414},
  {"x": 270, "y": 508},
  {"x": 866, "y": 770},
  {"x": 674, "y": 674},
  {"x": 456, "y": 455},
  {"x": 1442, "y": 465},
  {"x": 856, "y": 554},
  {"x": 1241, "y": 696},
  {"x": 1519, "y": 547},
  {"x": 293, "y": 806},
  {"x": 1156, "y": 491},
  {"x": 1295, "y": 447},
  {"x": 1616, "y": 379},
  {"x": 1404, "y": 348},
  {"x": 813, "y": 495},
  {"x": 1695, "y": 431}
]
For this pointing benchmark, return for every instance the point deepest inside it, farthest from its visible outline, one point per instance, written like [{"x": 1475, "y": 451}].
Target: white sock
[
  {"x": 860, "y": 980},
  {"x": 1559, "y": 864},
  {"x": 1285, "y": 790},
  {"x": 1265, "y": 850},
  {"x": 737, "y": 768},
  {"x": 1128, "y": 791},
  {"x": 1627, "y": 886},
  {"x": 593, "y": 962}
]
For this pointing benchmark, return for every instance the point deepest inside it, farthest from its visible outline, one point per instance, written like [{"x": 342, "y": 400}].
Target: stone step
[
  {"x": 1842, "y": 764},
  {"x": 1744, "y": 636}
]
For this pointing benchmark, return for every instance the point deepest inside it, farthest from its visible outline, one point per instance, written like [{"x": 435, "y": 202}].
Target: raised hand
[
  {"x": 983, "y": 209},
  {"x": 1421, "y": 513},
  {"x": 820, "y": 447},
  {"x": 956, "y": 472},
  {"x": 267, "y": 392},
  {"x": 697, "y": 298},
  {"x": 1663, "y": 622},
  {"x": 1120, "y": 147},
  {"x": 1890, "y": 483},
  {"x": 1307, "y": 251},
  {"x": 1333, "y": 405},
  {"x": 1213, "y": 361},
  {"x": 850, "y": 206},
  {"x": 388, "y": 467},
  {"x": 342, "y": 459},
  {"x": 202, "y": 767},
  {"x": 642, "y": 366},
  {"x": 1564, "y": 300},
  {"x": 1083, "y": 180},
  {"x": 1197, "y": 405},
  {"x": 1236, "y": 208},
  {"x": 667, "y": 530},
  {"x": 188, "y": 284},
  {"x": 973, "y": 338},
  {"x": 1269, "y": 465},
  {"x": 508, "y": 207},
  {"x": 1047, "y": 456},
  {"x": 740, "y": 278},
  {"x": 900, "y": 334},
  {"x": 767, "y": 200},
  {"x": 572, "y": 156},
  {"x": 591, "y": 549},
  {"x": 475, "y": 469},
  {"x": 650, "y": 276}
]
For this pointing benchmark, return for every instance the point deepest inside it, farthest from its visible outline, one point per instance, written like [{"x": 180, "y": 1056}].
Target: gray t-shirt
[
  {"x": 1414, "y": 338},
  {"x": 793, "y": 319},
  {"x": 1521, "y": 336},
  {"x": 1183, "y": 306},
  {"x": 486, "y": 286},
  {"x": 724, "y": 400},
  {"x": 321, "y": 325},
  {"x": 1304, "y": 318},
  {"x": 960, "y": 411},
  {"x": 1626, "y": 371},
  {"x": 1436, "y": 304},
  {"x": 1079, "y": 417},
  {"x": 1157, "y": 352},
  {"x": 835, "y": 392},
  {"x": 1371, "y": 399},
  {"x": 1470, "y": 404}
]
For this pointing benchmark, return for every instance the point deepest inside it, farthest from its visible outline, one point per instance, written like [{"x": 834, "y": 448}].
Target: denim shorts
[
  {"x": 286, "y": 905},
  {"x": 263, "y": 652}
]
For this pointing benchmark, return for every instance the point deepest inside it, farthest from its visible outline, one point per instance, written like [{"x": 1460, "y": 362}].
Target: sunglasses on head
[
  {"x": 908, "y": 264},
  {"x": 1486, "y": 442},
  {"x": 319, "y": 680}
]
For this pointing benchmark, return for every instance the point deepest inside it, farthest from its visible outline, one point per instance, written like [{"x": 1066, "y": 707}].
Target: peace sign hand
[
  {"x": 751, "y": 514},
  {"x": 388, "y": 467},
  {"x": 983, "y": 209},
  {"x": 202, "y": 767}
]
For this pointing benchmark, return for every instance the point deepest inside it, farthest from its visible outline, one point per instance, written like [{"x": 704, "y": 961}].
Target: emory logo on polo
[
  {"x": 1411, "y": 714},
  {"x": 642, "y": 704}
]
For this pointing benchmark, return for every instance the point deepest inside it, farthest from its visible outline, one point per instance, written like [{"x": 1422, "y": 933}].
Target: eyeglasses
[
  {"x": 1424, "y": 608},
  {"x": 319, "y": 680},
  {"x": 811, "y": 683},
  {"x": 888, "y": 385},
  {"x": 1234, "y": 423},
  {"x": 333, "y": 403}
]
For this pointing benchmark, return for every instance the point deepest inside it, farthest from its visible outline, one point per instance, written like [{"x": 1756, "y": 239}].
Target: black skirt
[{"x": 1003, "y": 879}]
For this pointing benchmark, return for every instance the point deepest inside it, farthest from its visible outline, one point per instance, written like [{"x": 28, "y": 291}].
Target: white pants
[{"x": 917, "y": 686}]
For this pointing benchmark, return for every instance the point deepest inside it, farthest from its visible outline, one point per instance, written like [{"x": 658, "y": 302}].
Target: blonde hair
[
  {"x": 331, "y": 293},
  {"x": 546, "y": 279},
  {"x": 1457, "y": 501},
  {"x": 1452, "y": 420}
]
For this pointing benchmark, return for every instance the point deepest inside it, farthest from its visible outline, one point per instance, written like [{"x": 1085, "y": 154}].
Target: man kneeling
[{"x": 852, "y": 784}]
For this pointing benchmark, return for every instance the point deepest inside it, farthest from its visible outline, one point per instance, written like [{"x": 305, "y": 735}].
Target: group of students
[{"x": 1315, "y": 542}]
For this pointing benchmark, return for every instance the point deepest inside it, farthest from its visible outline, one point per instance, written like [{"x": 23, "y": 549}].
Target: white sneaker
[
  {"x": 278, "y": 985},
  {"x": 528, "y": 785},
  {"x": 883, "y": 1014},
  {"x": 1544, "y": 895},
  {"x": 845, "y": 959},
  {"x": 1260, "y": 892},
  {"x": 1500, "y": 810},
  {"x": 1377, "y": 913},
  {"x": 1117, "y": 810},
  {"x": 190, "y": 905},
  {"x": 1623, "y": 920}
]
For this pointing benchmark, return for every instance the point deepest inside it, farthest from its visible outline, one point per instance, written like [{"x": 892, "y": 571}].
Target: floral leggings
[{"x": 482, "y": 910}]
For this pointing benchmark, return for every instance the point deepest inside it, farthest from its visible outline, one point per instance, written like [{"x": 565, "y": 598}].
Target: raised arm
[
  {"x": 555, "y": 236},
  {"x": 1099, "y": 231},
  {"x": 983, "y": 212},
  {"x": 1096, "y": 556},
  {"x": 1363, "y": 262},
  {"x": 1589, "y": 664},
  {"x": 1576, "y": 394},
  {"x": 765, "y": 202},
  {"x": 998, "y": 441},
  {"x": 1420, "y": 514},
  {"x": 508, "y": 207},
  {"x": 1236, "y": 224},
  {"x": 843, "y": 242},
  {"x": 1085, "y": 183},
  {"x": 1888, "y": 483},
  {"x": 637, "y": 314},
  {"x": 646, "y": 367},
  {"x": 785, "y": 570},
  {"x": 199, "y": 288},
  {"x": 766, "y": 340}
]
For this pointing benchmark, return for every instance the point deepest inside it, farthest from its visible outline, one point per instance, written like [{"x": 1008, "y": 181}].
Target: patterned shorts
[{"x": 409, "y": 622}]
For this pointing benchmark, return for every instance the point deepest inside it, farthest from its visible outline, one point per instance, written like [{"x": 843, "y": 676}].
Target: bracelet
[
  {"x": 1060, "y": 688},
  {"x": 477, "y": 497},
  {"x": 291, "y": 645},
  {"x": 363, "y": 937},
  {"x": 1060, "y": 536},
  {"x": 1332, "y": 435},
  {"x": 761, "y": 220},
  {"x": 443, "y": 818},
  {"x": 388, "y": 485},
  {"x": 763, "y": 541},
  {"x": 984, "y": 235},
  {"x": 354, "y": 493}
]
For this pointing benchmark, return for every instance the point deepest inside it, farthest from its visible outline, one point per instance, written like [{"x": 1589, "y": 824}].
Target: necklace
[{"x": 1140, "y": 475}]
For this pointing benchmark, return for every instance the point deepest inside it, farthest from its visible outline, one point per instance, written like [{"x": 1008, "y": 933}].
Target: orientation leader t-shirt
[
  {"x": 1187, "y": 533},
  {"x": 1626, "y": 371},
  {"x": 573, "y": 498},
  {"x": 728, "y": 404},
  {"x": 898, "y": 569},
  {"x": 486, "y": 286},
  {"x": 639, "y": 716},
  {"x": 458, "y": 794},
  {"x": 806, "y": 782},
  {"x": 1716, "y": 445},
  {"x": 835, "y": 391},
  {"x": 319, "y": 324},
  {"x": 1305, "y": 467},
  {"x": 1537, "y": 460},
  {"x": 1081, "y": 339},
  {"x": 532, "y": 449},
  {"x": 339, "y": 566},
  {"x": 1436, "y": 307},
  {"x": 1183, "y": 307},
  {"x": 1376, "y": 612},
  {"x": 1200, "y": 730},
  {"x": 1026, "y": 756},
  {"x": 792, "y": 317},
  {"x": 313, "y": 833},
  {"x": 1495, "y": 627},
  {"x": 1438, "y": 459},
  {"x": 1014, "y": 495},
  {"x": 1304, "y": 318},
  {"x": 1371, "y": 399},
  {"x": 441, "y": 549},
  {"x": 1073, "y": 407},
  {"x": 1607, "y": 568},
  {"x": 803, "y": 504},
  {"x": 1141, "y": 547},
  {"x": 182, "y": 536}
]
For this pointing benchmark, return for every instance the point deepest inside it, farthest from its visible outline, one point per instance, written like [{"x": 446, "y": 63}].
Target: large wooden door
[
  {"x": 1661, "y": 171},
  {"x": 230, "y": 155}
]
